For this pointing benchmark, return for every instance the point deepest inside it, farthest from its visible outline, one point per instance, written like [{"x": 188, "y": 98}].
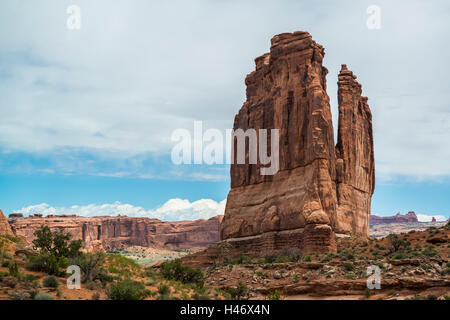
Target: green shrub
[
  {"x": 395, "y": 242},
  {"x": 48, "y": 263},
  {"x": 238, "y": 293},
  {"x": 307, "y": 258},
  {"x": 367, "y": 293},
  {"x": 350, "y": 275},
  {"x": 243, "y": 259},
  {"x": 91, "y": 266},
  {"x": 96, "y": 296},
  {"x": 430, "y": 252},
  {"x": 127, "y": 290},
  {"x": 43, "y": 296},
  {"x": 12, "y": 283},
  {"x": 328, "y": 257},
  {"x": 349, "y": 266},
  {"x": 174, "y": 270},
  {"x": 270, "y": 258},
  {"x": 51, "y": 282},
  {"x": 163, "y": 289},
  {"x": 13, "y": 269},
  {"x": 391, "y": 292},
  {"x": 275, "y": 295},
  {"x": 29, "y": 278}
]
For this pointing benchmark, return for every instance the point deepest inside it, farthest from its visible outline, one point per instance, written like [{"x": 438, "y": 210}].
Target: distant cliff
[
  {"x": 119, "y": 232},
  {"x": 398, "y": 218}
]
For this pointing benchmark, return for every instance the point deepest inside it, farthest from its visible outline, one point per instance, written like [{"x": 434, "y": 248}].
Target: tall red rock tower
[{"x": 321, "y": 190}]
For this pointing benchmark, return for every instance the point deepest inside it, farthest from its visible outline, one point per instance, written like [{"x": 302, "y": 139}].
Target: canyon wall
[
  {"x": 321, "y": 190},
  {"x": 112, "y": 233}
]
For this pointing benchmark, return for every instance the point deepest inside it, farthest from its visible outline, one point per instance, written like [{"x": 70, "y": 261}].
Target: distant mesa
[
  {"x": 433, "y": 219},
  {"x": 15, "y": 215},
  {"x": 398, "y": 218}
]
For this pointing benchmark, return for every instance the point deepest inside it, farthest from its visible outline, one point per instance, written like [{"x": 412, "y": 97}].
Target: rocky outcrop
[
  {"x": 112, "y": 233},
  {"x": 398, "y": 218},
  {"x": 4, "y": 225},
  {"x": 320, "y": 189}
]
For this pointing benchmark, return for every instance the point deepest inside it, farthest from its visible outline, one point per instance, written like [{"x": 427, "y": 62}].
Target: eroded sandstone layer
[
  {"x": 112, "y": 233},
  {"x": 321, "y": 190}
]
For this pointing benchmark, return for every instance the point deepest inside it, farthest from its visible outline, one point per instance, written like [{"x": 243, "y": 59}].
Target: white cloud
[
  {"x": 173, "y": 210},
  {"x": 428, "y": 218},
  {"x": 137, "y": 70}
]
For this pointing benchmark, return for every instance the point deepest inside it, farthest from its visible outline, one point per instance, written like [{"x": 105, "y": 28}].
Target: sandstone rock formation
[
  {"x": 320, "y": 189},
  {"x": 4, "y": 225},
  {"x": 398, "y": 218},
  {"x": 112, "y": 233}
]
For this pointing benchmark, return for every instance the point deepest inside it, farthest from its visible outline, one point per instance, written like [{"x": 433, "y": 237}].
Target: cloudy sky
[{"x": 86, "y": 115}]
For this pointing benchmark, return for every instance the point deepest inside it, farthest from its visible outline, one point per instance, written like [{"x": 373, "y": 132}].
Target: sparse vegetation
[
  {"x": 51, "y": 282},
  {"x": 127, "y": 290},
  {"x": 275, "y": 295},
  {"x": 174, "y": 270}
]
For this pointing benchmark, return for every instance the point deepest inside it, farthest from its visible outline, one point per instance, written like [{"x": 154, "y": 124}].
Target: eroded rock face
[
  {"x": 112, "y": 233},
  {"x": 320, "y": 189},
  {"x": 4, "y": 225}
]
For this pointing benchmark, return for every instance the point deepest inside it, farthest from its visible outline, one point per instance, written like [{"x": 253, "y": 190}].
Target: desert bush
[
  {"x": 395, "y": 242},
  {"x": 127, "y": 290},
  {"x": 48, "y": 263},
  {"x": 238, "y": 293},
  {"x": 275, "y": 295},
  {"x": 307, "y": 258},
  {"x": 346, "y": 254},
  {"x": 13, "y": 269},
  {"x": 51, "y": 282},
  {"x": 350, "y": 275},
  {"x": 174, "y": 270},
  {"x": 349, "y": 266},
  {"x": 121, "y": 265},
  {"x": 327, "y": 257},
  {"x": 270, "y": 258},
  {"x": 430, "y": 252},
  {"x": 163, "y": 289},
  {"x": 91, "y": 266},
  {"x": 391, "y": 292},
  {"x": 43, "y": 296},
  {"x": 96, "y": 296},
  {"x": 29, "y": 278}
]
